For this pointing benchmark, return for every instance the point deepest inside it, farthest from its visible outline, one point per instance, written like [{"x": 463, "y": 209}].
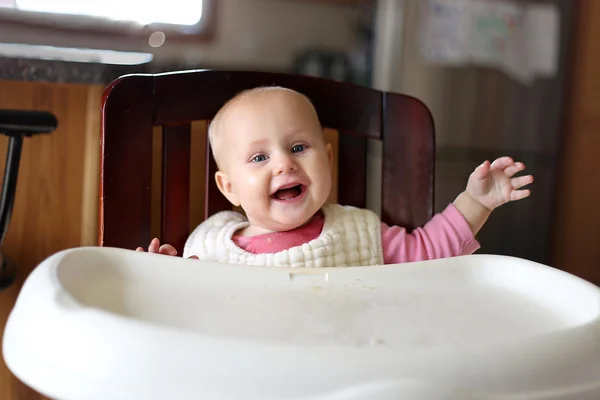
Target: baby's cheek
[{"x": 256, "y": 181}]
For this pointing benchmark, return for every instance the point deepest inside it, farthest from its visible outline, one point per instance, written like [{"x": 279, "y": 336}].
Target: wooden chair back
[{"x": 143, "y": 111}]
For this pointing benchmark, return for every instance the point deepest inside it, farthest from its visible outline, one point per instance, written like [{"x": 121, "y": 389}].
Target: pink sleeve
[{"x": 446, "y": 235}]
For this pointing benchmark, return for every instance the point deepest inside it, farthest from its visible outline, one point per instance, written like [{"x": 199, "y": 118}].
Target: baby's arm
[
  {"x": 447, "y": 234},
  {"x": 452, "y": 232}
]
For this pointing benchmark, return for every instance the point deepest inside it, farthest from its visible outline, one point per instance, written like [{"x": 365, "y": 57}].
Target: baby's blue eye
[
  {"x": 259, "y": 158},
  {"x": 298, "y": 148}
]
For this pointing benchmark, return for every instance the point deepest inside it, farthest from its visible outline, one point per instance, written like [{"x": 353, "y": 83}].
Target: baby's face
[{"x": 274, "y": 160}]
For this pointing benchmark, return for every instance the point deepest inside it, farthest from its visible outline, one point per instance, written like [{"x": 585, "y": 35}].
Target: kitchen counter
[{"x": 63, "y": 71}]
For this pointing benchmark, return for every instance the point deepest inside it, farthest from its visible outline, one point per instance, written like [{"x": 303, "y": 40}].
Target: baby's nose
[{"x": 285, "y": 164}]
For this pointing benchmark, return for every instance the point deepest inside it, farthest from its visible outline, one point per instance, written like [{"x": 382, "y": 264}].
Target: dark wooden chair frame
[{"x": 134, "y": 104}]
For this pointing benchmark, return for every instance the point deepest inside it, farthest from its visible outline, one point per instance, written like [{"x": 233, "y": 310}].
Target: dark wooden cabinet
[{"x": 576, "y": 246}]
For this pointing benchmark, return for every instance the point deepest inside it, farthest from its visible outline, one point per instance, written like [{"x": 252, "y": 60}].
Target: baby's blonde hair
[{"x": 214, "y": 123}]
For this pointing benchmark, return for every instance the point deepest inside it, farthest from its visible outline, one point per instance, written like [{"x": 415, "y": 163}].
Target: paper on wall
[
  {"x": 521, "y": 39},
  {"x": 515, "y": 60},
  {"x": 543, "y": 35},
  {"x": 446, "y": 30},
  {"x": 493, "y": 25}
]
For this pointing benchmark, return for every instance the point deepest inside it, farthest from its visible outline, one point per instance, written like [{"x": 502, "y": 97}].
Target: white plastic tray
[{"x": 103, "y": 323}]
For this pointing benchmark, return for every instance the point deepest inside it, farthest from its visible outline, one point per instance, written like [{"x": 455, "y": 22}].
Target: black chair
[{"x": 16, "y": 124}]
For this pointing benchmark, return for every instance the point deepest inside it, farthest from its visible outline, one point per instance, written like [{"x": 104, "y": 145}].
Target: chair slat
[
  {"x": 197, "y": 173},
  {"x": 126, "y": 163},
  {"x": 214, "y": 199},
  {"x": 176, "y": 185},
  {"x": 352, "y": 167},
  {"x": 408, "y": 162},
  {"x": 156, "y": 185}
]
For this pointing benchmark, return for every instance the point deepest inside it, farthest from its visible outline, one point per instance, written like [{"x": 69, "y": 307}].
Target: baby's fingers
[
  {"x": 519, "y": 194},
  {"x": 481, "y": 171},
  {"x": 521, "y": 181},
  {"x": 511, "y": 170},
  {"x": 168, "y": 250},
  {"x": 502, "y": 162},
  {"x": 154, "y": 246}
]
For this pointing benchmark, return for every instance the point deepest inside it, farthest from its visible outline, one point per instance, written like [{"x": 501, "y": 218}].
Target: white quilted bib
[{"x": 350, "y": 237}]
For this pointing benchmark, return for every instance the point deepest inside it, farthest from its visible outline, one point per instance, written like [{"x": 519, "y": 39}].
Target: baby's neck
[
  {"x": 252, "y": 230},
  {"x": 255, "y": 230}
]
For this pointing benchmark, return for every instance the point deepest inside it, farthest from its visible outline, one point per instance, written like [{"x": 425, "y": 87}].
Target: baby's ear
[
  {"x": 330, "y": 154},
  {"x": 226, "y": 188}
]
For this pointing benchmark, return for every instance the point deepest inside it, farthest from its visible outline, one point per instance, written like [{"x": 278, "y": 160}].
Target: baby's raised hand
[
  {"x": 494, "y": 184},
  {"x": 155, "y": 247}
]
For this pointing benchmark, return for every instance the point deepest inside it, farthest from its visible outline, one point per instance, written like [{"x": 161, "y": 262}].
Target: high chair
[
  {"x": 110, "y": 323},
  {"x": 134, "y": 104}
]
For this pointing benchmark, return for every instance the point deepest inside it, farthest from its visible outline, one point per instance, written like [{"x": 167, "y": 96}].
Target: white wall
[
  {"x": 256, "y": 33},
  {"x": 399, "y": 67},
  {"x": 404, "y": 70},
  {"x": 435, "y": 86},
  {"x": 387, "y": 68}
]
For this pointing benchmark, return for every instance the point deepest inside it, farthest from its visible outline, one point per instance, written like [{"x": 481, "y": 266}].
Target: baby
[{"x": 274, "y": 162}]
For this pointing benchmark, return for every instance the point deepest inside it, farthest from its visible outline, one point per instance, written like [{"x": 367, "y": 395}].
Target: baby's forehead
[
  {"x": 262, "y": 98},
  {"x": 250, "y": 108},
  {"x": 247, "y": 109}
]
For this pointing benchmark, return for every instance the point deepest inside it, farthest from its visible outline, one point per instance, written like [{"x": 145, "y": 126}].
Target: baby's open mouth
[{"x": 288, "y": 193}]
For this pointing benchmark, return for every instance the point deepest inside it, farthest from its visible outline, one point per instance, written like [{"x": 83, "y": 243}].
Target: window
[
  {"x": 130, "y": 20},
  {"x": 136, "y": 26},
  {"x": 143, "y": 12}
]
